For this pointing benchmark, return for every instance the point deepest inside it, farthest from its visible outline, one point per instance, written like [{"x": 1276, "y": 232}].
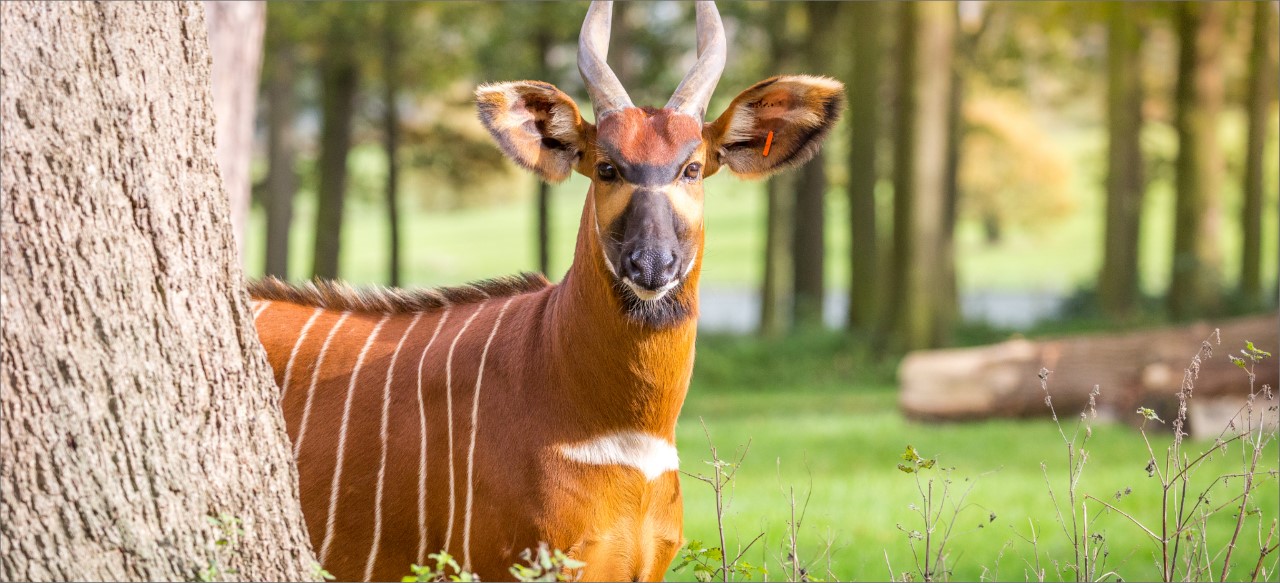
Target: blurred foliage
[
  {"x": 1033, "y": 149},
  {"x": 1011, "y": 171}
]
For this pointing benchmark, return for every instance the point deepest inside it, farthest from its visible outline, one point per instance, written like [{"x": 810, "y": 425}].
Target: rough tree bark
[
  {"x": 864, "y": 122},
  {"x": 338, "y": 77},
  {"x": 927, "y": 36},
  {"x": 1262, "y": 64},
  {"x": 1118, "y": 291},
  {"x": 137, "y": 400},
  {"x": 235, "y": 40},
  {"x": 1195, "y": 286}
]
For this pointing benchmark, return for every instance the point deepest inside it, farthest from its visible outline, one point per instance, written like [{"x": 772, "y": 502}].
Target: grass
[{"x": 820, "y": 419}]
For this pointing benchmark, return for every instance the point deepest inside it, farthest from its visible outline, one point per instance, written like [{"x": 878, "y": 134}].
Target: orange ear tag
[{"x": 768, "y": 141}]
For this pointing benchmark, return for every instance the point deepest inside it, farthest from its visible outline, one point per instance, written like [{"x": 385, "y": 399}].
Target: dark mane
[{"x": 338, "y": 295}]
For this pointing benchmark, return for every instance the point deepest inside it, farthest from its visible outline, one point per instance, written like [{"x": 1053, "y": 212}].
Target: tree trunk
[
  {"x": 138, "y": 400},
  {"x": 948, "y": 300},
  {"x": 776, "y": 288},
  {"x": 776, "y": 292},
  {"x": 809, "y": 233},
  {"x": 544, "y": 227},
  {"x": 391, "y": 133},
  {"x": 543, "y": 42},
  {"x": 811, "y": 192},
  {"x": 1261, "y": 93},
  {"x": 235, "y": 40},
  {"x": 624, "y": 39},
  {"x": 864, "y": 122},
  {"x": 338, "y": 78},
  {"x": 1132, "y": 369},
  {"x": 1118, "y": 290},
  {"x": 1196, "y": 277},
  {"x": 927, "y": 34},
  {"x": 282, "y": 156}
]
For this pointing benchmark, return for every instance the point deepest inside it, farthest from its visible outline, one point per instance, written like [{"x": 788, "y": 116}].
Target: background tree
[
  {"x": 864, "y": 22},
  {"x": 811, "y": 185},
  {"x": 777, "y": 287},
  {"x": 235, "y": 40},
  {"x": 1261, "y": 95},
  {"x": 1118, "y": 290},
  {"x": 137, "y": 400},
  {"x": 339, "y": 79},
  {"x": 926, "y": 34},
  {"x": 1195, "y": 285},
  {"x": 279, "y": 85},
  {"x": 393, "y": 22}
]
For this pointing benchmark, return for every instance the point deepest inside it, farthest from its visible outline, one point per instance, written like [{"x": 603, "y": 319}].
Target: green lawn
[{"x": 820, "y": 419}]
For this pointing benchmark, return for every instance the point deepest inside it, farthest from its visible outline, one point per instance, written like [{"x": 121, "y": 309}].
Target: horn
[
  {"x": 694, "y": 92},
  {"x": 607, "y": 93}
]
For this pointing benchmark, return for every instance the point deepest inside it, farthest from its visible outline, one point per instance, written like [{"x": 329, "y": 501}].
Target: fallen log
[{"x": 1131, "y": 370}]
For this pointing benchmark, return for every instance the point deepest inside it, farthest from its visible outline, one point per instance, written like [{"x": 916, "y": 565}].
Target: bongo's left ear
[
  {"x": 777, "y": 124},
  {"x": 536, "y": 125}
]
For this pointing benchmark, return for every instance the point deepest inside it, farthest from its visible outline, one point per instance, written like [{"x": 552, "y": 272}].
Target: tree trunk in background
[
  {"x": 1118, "y": 290},
  {"x": 391, "y": 134},
  {"x": 543, "y": 42},
  {"x": 809, "y": 232},
  {"x": 903, "y": 127},
  {"x": 948, "y": 304},
  {"x": 282, "y": 155},
  {"x": 864, "y": 19},
  {"x": 811, "y": 192},
  {"x": 776, "y": 287},
  {"x": 927, "y": 33},
  {"x": 1261, "y": 94},
  {"x": 235, "y": 40},
  {"x": 776, "y": 292},
  {"x": 138, "y": 400},
  {"x": 627, "y": 66},
  {"x": 1196, "y": 277},
  {"x": 338, "y": 78}
]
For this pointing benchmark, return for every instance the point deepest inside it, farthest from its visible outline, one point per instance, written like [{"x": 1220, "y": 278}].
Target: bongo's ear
[
  {"x": 536, "y": 125},
  {"x": 777, "y": 124}
]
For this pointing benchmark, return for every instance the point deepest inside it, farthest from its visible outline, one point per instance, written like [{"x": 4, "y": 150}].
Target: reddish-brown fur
[
  {"x": 569, "y": 367},
  {"x": 537, "y": 366},
  {"x": 649, "y": 136}
]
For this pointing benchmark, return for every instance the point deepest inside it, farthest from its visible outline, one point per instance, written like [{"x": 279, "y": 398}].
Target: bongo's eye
[
  {"x": 692, "y": 171},
  {"x": 606, "y": 172}
]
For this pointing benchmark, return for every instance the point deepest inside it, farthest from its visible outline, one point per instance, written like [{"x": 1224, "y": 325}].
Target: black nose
[{"x": 650, "y": 268}]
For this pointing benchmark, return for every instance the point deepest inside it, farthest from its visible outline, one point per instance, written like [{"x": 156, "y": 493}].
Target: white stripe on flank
[
  {"x": 422, "y": 452},
  {"x": 471, "y": 454},
  {"x": 259, "y": 308},
  {"x": 288, "y": 368},
  {"x": 336, "y": 482},
  {"x": 448, "y": 406},
  {"x": 382, "y": 465},
  {"x": 650, "y": 454},
  {"x": 315, "y": 377}
]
